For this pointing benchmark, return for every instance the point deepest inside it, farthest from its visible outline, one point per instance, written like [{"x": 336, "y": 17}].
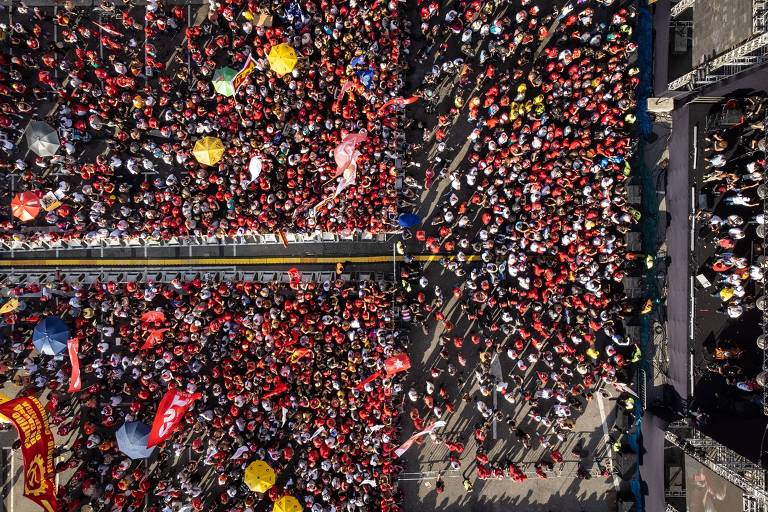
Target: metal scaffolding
[
  {"x": 750, "y": 53},
  {"x": 746, "y": 475},
  {"x": 88, "y": 276},
  {"x": 680, "y": 7}
]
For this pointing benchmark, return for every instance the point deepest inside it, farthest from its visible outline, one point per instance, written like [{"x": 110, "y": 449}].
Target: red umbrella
[{"x": 26, "y": 205}]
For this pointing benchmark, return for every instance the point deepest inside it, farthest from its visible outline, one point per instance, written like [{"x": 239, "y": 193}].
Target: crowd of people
[
  {"x": 733, "y": 177},
  {"x": 128, "y": 108},
  {"x": 278, "y": 367},
  {"x": 529, "y": 227},
  {"x": 532, "y": 222}
]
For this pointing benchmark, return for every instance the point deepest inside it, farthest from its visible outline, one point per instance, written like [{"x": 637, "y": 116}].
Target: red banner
[
  {"x": 31, "y": 422},
  {"x": 169, "y": 414},
  {"x": 250, "y": 65},
  {"x": 73, "y": 346}
]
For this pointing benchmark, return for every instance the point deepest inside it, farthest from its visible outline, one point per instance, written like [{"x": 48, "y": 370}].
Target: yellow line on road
[{"x": 191, "y": 262}]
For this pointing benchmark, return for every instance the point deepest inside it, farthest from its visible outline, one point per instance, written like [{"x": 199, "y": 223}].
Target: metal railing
[
  {"x": 744, "y": 56},
  {"x": 139, "y": 242},
  {"x": 163, "y": 275}
]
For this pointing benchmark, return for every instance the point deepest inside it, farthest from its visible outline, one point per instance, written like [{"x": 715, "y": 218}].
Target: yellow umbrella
[
  {"x": 287, "y": 504},
  {"x": 259, "y": 477},
  {"x": 208, "y": 150},
  {"x": 282, "y": 59}
]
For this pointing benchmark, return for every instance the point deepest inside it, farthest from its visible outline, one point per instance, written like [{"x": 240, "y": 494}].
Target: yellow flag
[{"x": 9, "y": 306}]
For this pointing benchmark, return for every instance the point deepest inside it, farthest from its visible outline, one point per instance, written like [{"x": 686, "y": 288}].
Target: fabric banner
[
  {"x": 29, "y": 418},
  {"x": 73, "y": 346},
  {"x": 400, "y": 450},
  {"x": 169, "y": 414},
  {"x": 248, "y": 68}
]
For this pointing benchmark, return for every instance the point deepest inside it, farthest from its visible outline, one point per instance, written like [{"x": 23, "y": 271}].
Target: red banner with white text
[
  {"x": 29, "y": 418},
  {"x": 169, "y": 414}
]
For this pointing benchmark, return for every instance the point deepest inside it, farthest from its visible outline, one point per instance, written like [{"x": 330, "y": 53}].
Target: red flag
[
  {"x": 73, "y": 345},
  {"x": 169, "y": 414},
  {"x": 153, "y": 316},
  {"x": 248, "y": 68},
  {"x": 31, "y": 422},
  {"x": 400, "y": 102},
  {"x": 367, "y": 380},
  {"x": 279, "y": 388},
  {"x": 108, "y": 30},
  {"x": 295, "y": 275},
  {"x": 397, "y": 364},
  {"x": 299, "y": 353},
  {"x": 155, "y": 336}
]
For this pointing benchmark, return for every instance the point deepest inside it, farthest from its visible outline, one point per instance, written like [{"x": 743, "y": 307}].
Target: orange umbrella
[
  {"x": 153, "y": 316},
  {"x": 25, "y": 206},
  {"x": 155, "y": 335}
]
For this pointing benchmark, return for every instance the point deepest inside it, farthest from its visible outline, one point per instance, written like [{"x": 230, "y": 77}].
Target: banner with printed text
[{"x": 31, "y": 422}]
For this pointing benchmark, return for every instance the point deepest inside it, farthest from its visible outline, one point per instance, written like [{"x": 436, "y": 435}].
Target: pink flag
[
  {"x": 345, "y": 151},
  {"x": 400, "y": 102},
  {"x": 349, "y": 176},
  {"x": 409, "y": 442},
  {"x": 344, "y": 88}
]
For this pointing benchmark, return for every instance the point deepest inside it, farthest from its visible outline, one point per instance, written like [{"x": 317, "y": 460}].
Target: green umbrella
[{"x": 222, "y": 81}]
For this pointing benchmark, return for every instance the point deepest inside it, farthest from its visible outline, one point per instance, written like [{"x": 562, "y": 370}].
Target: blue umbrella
[
  {"x": 50, "y": 336},
  {"x": 408, "y": 220},
  {"x": 132, "y": 439}
]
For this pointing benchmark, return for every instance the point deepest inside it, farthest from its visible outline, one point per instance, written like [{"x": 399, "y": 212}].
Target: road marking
[
  {"x": 13, "y": 474},
  {"x": 496, "y": 372},
  {"x": 604, "y": 425}
]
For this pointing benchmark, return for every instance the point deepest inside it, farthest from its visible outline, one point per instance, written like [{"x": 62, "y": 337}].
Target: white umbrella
[{"x": 42, "y": 139}]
